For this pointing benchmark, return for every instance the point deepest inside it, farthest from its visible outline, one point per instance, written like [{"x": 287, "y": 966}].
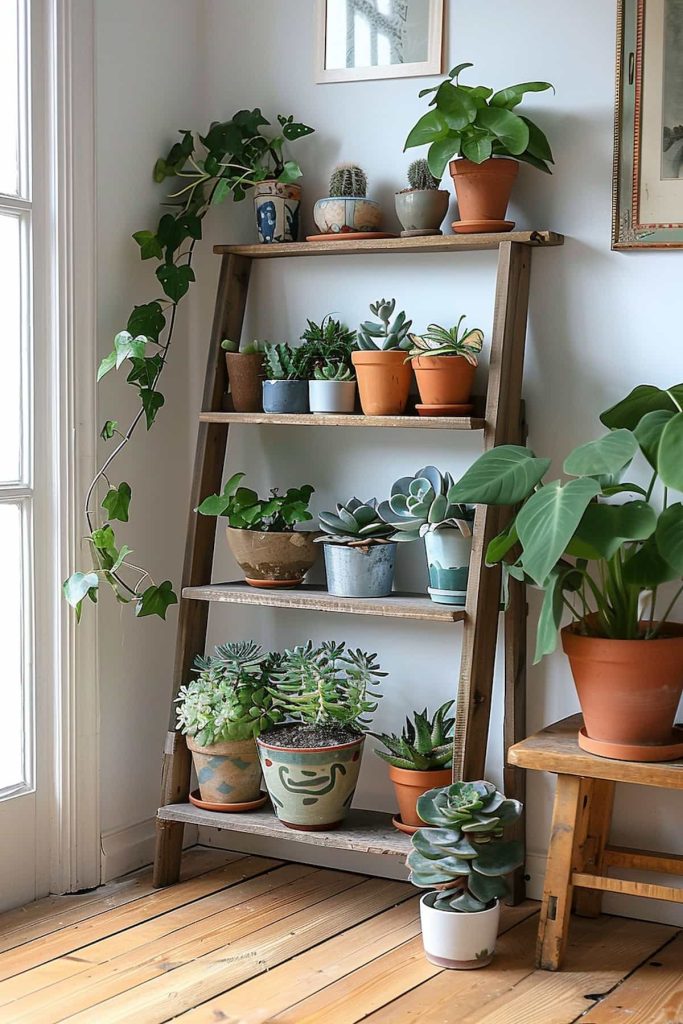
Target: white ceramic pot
[
  {"x": 331, "y": 395},
  {"x": 448, "y": 560},
  {"x": 460, "y": 942}
]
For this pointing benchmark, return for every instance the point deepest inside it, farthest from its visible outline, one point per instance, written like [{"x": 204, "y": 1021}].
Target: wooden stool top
[{"x": 555, "y": 749}]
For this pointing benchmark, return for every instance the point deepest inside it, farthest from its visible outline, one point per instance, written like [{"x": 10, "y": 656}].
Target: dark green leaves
[
  {"x": 455, "y": 105},
  {"x": 643, "y": 399},
  {"x": 510, "y": 130},
  {"x": 152, "y": 401},
  {"x": 149, "y": 245},
  {"x": 514, "y": 94},
  {"x": 441, "y": 152},
  {"x": 156, "y": 600},
  {"x": 117, "y": 501},
  {"x": 505, "y": 475},
  {"x": 175, "y": 280},
  {"x": 147, "y": 320},
  {"x": 669, "y": 536},
  {"x": 108, "y": 430},
  {"x": 604, "y": 528},
  {"x": 429, "y": 128}
]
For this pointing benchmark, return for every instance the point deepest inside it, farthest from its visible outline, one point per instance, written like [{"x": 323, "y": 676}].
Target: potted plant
[
  {"x": 347, "y": 208},
  {"x": 311, "y": 763},
  {"x": 422, "y": 207},
  {"x": 245, "y": 374},
  {"x": 464, "y": 859},
  {"x": 419, "y": 506},
  {"x": 221, "y": 712},
  {"x": 261, "y": 532},
  {"x": 603, "y": 550},
  {"x": 360, "y": 553},
  {"x": 419, "y": 759},
  {"x": 383, "y": 375},
  {"x": 285, "y": 388},
  {"x": 482, "y": 130},
  {"x": 444, "y": 362},
  {"x": 332, "y": 383}
]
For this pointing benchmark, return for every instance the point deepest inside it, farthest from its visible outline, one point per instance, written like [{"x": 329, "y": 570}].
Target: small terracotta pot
[
  {"x": 444, "y": 380},
  {"x": 245, "y": 373},
  {"x": 629, "y": 692},
  {"x": 483, "y": 190},
  {"x": 271, "y": 559},
  {"x": 409, "y": 785},
  {"x": 383, "y": 381},
  {"x": 227, "y": 773}
]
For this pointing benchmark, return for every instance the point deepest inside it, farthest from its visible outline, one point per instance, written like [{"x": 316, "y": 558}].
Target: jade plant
[
  {"x": 244, "y": 510},
  {"x": 464, "y": 855},
  {"x": 444, "y": 341},
  {"x": 420, "y": 504},
  {"x": 349, "y": 181},
  {"x": 477, "y": 123},
  {"x": 282, "y": 362},
  {"x": 356, "y": 524},
  {"x": 425, "y": 744},
  {"x": 388, "y": 334}
]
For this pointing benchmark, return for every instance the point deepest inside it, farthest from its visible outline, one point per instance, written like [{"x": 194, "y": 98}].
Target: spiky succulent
[
  {"x": 349, "y": 180},
  {"x": 424, "y": 745},
  {"x": 444, "y": 341},
  {"x": 385, "y": 335},
  {"x": 283, "y": 362},
  {"x": 356, "y": 523},
  {"x": 328, "y": 343},
  {"x": 420, "y": 177},
  {"x": 419, "y": 504},
  {"x": 464, "y": 854},
  {"x": 334, "y": 372}
]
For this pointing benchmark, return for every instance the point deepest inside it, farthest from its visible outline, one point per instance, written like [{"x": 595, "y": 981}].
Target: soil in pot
[
  {"x": 483, "y": 192},
  {"x": 363, "y": 571},
  {"x": 421, "y": 211},
  {"x": 227, "y": 773},
  {"x": 459, "y": 942},
  {"x": 444, "y": 380},
  {"x": 273, "y": 560},
  {"x": 245, "y": 373},
  {"x": 409, "y": 785},
  {"x": 384, "y": 380}
]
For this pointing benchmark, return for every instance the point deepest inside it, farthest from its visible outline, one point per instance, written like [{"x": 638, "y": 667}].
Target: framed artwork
[
  {"x": 363, "y": 39},
  {"x": 647, "y": 197}
]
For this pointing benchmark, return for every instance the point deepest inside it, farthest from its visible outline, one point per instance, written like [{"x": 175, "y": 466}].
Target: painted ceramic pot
[
  {"x": 245, "y": 374},
  {"x": 227, "y": 773},
  {"x": 273, "y": 560},
  {"x": 336, "y": 214},
  {"x": 277, "y": 211},
  {"x": 285, "y": 396},
  {"x": 460, "y": 942},
  {"x": 448, "y": 560},
  {"x": 421, "y": 211},
  {"x": 360, "y": 571},
  {"x": 311, "y": 788},
  {"x": 330, "y": 396}
]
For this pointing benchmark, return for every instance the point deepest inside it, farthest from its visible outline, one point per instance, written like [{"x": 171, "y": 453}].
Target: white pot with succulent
[
  {"x": 332, "y": 384},
  {"x": 422, "y": 206}
]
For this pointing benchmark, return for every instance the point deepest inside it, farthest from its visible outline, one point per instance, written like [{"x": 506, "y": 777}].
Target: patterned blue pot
[{"x": 277, "y": 211}]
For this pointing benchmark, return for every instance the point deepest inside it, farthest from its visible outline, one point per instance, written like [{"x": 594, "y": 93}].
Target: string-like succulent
[
  {"x": 442, "y": 341},
  {"x": 385, "y": 335},
  {"x": 425, "y": 744},
  {"x": 356, "y": 523},
  {"x": 420, "y": 177},
  {"x": 350, "y": 181},
  {"x": 285, "y": 363},
  {"x": 333, "y": 371},
  {"x": 419, "y": 504}
]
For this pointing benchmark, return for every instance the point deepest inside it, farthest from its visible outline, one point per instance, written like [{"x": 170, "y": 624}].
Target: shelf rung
[{"x": 311, "y": 419}]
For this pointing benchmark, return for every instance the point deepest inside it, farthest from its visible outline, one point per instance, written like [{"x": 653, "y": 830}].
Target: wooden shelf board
[
  {"x": 317, "y": 599},
  {"x": 310, "y": 419},
  {"x": 382, "y": 246},
  {"x": 362, "y": 832}
]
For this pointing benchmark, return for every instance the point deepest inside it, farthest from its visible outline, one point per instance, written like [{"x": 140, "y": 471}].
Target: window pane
[
  {"x": 11, "y": 639},
  {"x": 10, "y": 378},
  {"x": 9, "y": 96}
]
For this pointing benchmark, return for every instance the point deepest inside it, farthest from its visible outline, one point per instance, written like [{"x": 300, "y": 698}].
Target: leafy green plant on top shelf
[
  {"x": 424, "y": 745},
  {"x": 444, "y": 341},
  {"x": 283, "y": 362},
  {"x": 244, "y": 510},
  {"x": 388, "y": 334},
  {"x": 357, "y": 524}
]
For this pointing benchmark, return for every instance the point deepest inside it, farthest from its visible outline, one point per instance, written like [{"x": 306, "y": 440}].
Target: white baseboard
[{"x": 132, "y": 847}]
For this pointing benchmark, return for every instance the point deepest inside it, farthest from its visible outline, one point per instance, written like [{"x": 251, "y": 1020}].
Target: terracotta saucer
[
  {"x": 444, "y": 410},
  {"x": 408, "y": 829},
  {"x": 273, "y": 584},
  {"x": 207, "y": 805},
  {"x": 635, "y": 751},
  {"x": 481, "y": 227},
  {"x": 349, "y": 236}
]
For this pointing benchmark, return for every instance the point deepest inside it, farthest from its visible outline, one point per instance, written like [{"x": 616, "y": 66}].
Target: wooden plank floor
[{"x": 250, "y": 940}]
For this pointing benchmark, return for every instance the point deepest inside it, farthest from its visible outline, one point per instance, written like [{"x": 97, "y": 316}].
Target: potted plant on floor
[
  {"x": 347, "y": 210},
  {"x": 261, "y": 532},
  {"x": 444, "y": 361},
  {"x": 383, "y": 375},
  {"x": 311, "y": 763},
  {"x": 419, "y": 760},
  {"x": 464, "y": 859},
  {"x": 420, "y": 506},
  {"x": 604, "y": 551},
  {"x": 360, "y": 552},
  {"x": 482, "y": 130},
  {"x": 285, "y": 388},
  {"x": 221, "y": 712},
  {"x": 332, "y": 383},
  {"x": 422, "y": 206},
  {"x": 245, "y": 374}
]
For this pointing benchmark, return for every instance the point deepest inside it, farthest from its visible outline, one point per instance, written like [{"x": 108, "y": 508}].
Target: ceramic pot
[
  {"x": 273, "y": 560},
  {"x": 483, "y": 192},
  {"x": 277, "y": 211},
  {"x": 285, "y": 396},
  {"x": 383, "y": 381},
  {"x": 460, "y": 942},
  {"x": 409, "y": 785},
  {"x": 421, "y": 211},
  {"x": 245, "y": 374},
  {"x": 444, "y": 380},
  {"x": 629, "y": 691},
  {"x": 360, "y": 571},
  {"x": 335, "y": 214},
  {"x": 328, "y": 396},
  {"x": 311, "y": 788},
  {"x": 227, "y": 773},
  {"x": 448, "y": 561}
]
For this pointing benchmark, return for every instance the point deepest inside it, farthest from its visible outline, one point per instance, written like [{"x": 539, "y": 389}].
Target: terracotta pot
[
  {"x": 629, "y": 692},
  {"x": 227, "y": 773},
  {"x": 383, "y": 381},
  {"x": 483, "y": 192},
  {"x": 271, "y": 559},
  {"x": 444, "y": 380},
  {"x": 245, "y": 373},
  {"x": 409, "y": 785}
]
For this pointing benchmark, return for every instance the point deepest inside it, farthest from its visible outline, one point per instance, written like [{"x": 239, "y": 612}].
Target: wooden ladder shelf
[{"x": 500, "y": 418}]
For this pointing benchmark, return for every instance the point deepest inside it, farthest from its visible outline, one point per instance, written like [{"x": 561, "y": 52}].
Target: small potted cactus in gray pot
[
  {"x": 422, "y": 207},
  {"x": 464, "y": 858},
  {"x": 360, "y": 553},
  {"x": 347, "y": 208},
  {"x": 332, "y": 381},
  {"x": 285, "y": 388},
  {"x": 384, "y": 375}
]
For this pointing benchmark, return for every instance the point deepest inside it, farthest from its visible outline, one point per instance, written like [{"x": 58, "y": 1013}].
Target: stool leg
[
  {"x": 557, "y": 888},
  {"x": 597, "y": 815}
]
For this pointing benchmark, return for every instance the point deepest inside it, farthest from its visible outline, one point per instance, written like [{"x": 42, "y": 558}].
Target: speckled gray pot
[
  {"x": 422, "y": 210},
  {"x": 285, "y": 396},
  {"x": 360, "y": 572}
]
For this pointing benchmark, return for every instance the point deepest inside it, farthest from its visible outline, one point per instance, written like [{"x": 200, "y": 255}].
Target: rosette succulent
[
  {"x": 357, "y": 523},
  {"x": 425, "y": 745},
  {"x": 419, "y": 504},
  {"x": 334, "y": 372},
  {"x": 387, "y": 334}
]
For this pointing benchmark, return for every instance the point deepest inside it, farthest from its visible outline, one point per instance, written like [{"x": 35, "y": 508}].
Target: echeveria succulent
[
  {"x": 356, "y": 523},
  {"x": 419, "y": 504}
]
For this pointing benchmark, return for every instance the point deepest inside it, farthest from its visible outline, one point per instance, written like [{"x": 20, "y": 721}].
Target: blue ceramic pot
[{"x": 285, "y": 396}]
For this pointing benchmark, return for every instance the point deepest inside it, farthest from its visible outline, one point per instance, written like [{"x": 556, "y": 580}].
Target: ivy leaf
[
  {"x": 175, "y": 280},
  {"x": 169, "y": 234},
  {"x": 221, "y": 190},
  {"x": 191, "y": 224},
  {"x": 295, "y": 130},
  {"x": 109, "y": 429},
  {"x": 149, "y": 244},
  {"x": 152, "y": 401},
  {"x": 107, "y": 364},
  {"x": 127, "y": 347},
  {"x": 147, "y": 320},
  {"x": 160, "y": 173},
  {"x": 156, "y": 600},
  {"x": 290, "y": 172},
  {"x": 78, "y": 586},
  {"x": 144, "y": 372},
  {"x": 116, "y": 502},
  {"x": 121, "y": 556}
]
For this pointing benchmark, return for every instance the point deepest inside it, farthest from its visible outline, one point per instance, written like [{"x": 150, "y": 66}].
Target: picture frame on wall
[
  {"x": 359, "y": 40},
  {"x": 647, "y": 196}
]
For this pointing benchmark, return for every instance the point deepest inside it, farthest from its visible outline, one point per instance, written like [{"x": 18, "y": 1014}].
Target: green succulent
[
  {"x": 244, "y": 510},
  {"x": 334, "y": 372},
  {"x": 330, "y": 341},
  {"x": 442, "y": 341},
  {"x": 357, "y": 523},
  {"x": 386, "y": 335},
  {"x": 463, "y": 854},
  {"x": 420, "y": 177},
  {"x": 419, "y": 504},
  {"x": 424, "y": 745},
  {"x": 251, "y": 348},
  {"x": 286, "y": 363},
  {"x": 349, "y": 180}
]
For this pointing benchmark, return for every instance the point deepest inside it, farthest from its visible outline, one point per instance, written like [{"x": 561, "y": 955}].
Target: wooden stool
[{"x": 579, "y": 855}]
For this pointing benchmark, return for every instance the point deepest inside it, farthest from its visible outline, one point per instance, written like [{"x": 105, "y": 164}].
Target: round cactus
[
  {"x": 420, "y": 177},
  {"x": 348, "y": 180}
]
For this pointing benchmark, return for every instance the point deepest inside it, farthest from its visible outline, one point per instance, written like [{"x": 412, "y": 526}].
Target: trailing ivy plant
[{"x": 233, "y": 156}]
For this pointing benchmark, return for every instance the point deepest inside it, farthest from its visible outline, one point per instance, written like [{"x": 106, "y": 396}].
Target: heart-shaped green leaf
[
  {"x": 604, "y": 528},
  {"x": 514, "y": 94},
  {"x": 156, "y": 600},
  {"x": 646, "y": 568},
  {"x": 606, "y": 456},
  {"x": 508, "y": 128},
  {"x": 117, "y": 501},
  {"x": 643, "y": 399},
  {"x": 505, "y": 475},
  {"x": 649, "y": 433},
  {"x": 669, "y": 536},
  {"x": 670, "y": 456},
  {"x": 547, "y": 522}
]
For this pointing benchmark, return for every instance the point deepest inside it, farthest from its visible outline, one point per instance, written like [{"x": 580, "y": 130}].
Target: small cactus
[
  {"x": 348, "y": 180},
  {"x": 420, "y": 177}
]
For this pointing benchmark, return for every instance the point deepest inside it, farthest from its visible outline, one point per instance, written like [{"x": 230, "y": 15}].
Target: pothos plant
[{"x": 229, "y": 159}]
